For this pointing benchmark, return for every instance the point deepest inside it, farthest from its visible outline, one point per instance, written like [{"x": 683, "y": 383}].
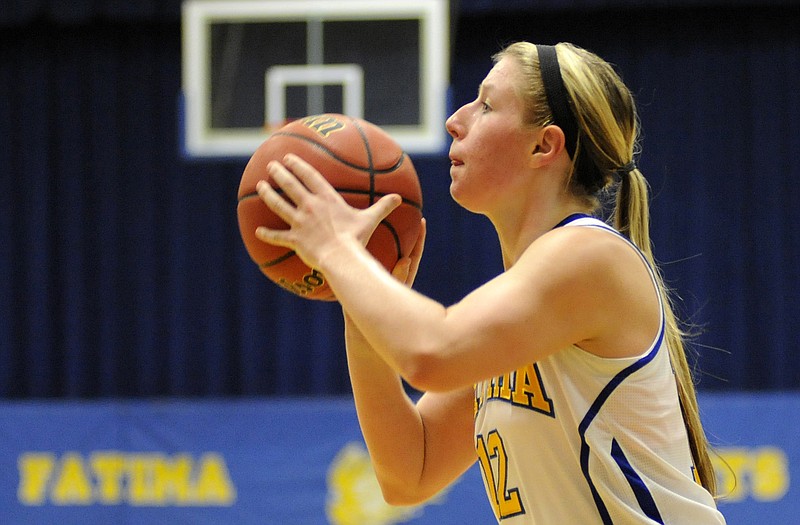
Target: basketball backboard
[{"x": 249, "y": 66}]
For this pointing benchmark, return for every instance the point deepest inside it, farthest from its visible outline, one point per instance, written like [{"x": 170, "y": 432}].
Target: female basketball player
[{"x": 565, "y": 376}]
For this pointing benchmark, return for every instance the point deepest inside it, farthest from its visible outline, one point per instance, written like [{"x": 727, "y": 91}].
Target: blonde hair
[{"x": 607, "y": 140}]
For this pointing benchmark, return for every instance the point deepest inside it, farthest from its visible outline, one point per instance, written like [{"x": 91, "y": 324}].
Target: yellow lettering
[
  {"x": 528, "y": 390},
  {"x": 108, "y": 469},
  {"x": 696, "y": 475},
  {"x": 214, "y": 486},
  {"x": 72, "y": 486},
  {"x": 770, "y": 474},
  {"x": 172, "y": 479},
  {"x": 730, "y": 466},
  {"x": 761, "y": 473},
  {"x": 141, "y": 483},
  {"x": 505, "y": 387},
  {"x": 323, "y": 124},
  {"x": 487, "y": 391},
  {"x": 523, "y": 388},
  {"x": 35, "y": 470},
  {"x": 506, "y": 501},
  {"x": 523, "y": 395},
  {"x": 113, "y": 478}
]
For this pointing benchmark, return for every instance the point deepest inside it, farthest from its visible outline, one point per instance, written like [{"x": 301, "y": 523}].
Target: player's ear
[{"x": 549, "y": 143}]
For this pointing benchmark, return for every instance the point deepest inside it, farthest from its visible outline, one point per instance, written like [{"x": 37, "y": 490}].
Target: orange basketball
[{"x": 363, "y": 163}]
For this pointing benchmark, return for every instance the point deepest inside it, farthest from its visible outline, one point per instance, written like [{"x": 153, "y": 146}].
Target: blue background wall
[
  {"x": 123, "y": 273},
  {"x": 302, "y": 462}
]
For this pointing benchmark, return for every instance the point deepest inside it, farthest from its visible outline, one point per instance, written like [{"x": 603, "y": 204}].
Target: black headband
[{"x": 557, "y": 97}]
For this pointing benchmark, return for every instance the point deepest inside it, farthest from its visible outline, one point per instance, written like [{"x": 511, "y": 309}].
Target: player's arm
[
  {"x": 416, "y": 450},
  {"x": 549, "y": 299}
]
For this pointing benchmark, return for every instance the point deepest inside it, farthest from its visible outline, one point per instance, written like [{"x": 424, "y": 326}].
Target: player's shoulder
[
  {"x": 586, "y": 262},
  {"x": 591, "y": 243}
]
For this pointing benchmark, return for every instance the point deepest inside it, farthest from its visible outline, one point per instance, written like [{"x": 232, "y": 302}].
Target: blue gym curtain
[{"x": 121, "y": 268}]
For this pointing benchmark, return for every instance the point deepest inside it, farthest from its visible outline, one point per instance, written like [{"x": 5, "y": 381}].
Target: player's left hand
[
  {"x": 319, "y": 219},
  {"x": 406, "y": 268}
]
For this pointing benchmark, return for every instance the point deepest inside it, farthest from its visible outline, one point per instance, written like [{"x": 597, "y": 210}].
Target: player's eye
[{"x": 485, "y": 108}]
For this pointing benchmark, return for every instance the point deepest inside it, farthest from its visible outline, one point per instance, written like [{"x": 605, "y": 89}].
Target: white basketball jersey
[{"x": 580, "y": 439}]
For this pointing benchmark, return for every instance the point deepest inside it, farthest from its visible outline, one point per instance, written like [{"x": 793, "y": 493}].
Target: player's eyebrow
[{"x": 484, "y": 87}]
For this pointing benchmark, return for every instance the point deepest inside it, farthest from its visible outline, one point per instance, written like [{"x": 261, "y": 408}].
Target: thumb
[
  {"x": 401, "y": 270},
  {"x": 384, "y": 206}
]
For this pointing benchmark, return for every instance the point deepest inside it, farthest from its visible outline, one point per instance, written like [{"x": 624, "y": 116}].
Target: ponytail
[{"x": 632, "y": 217}]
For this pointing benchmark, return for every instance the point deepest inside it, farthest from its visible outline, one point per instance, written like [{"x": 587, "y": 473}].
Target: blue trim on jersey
[
  {"x": 595, "y": 409},
  {"x": 640, "y": 490},
  {"x": 570, "y": 218}
]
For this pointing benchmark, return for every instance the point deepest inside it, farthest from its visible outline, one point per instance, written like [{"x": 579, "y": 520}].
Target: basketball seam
[
  {"x": 291, "y": 253},
  {"x": 409, "y": 202},
  {"x": 369, "y": 169},
  {"x": 396, "y": 237},
  {"x": 277, "y": 260},
  {"x": 370, "y": 162}
]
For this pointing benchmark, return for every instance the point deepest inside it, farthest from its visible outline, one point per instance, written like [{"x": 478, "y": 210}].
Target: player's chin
[
  {"x": 459, "y": 195},
  {"x": 470, "y": 195}
]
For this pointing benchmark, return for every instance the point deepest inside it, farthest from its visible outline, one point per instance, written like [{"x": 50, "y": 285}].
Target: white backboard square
[{"x": 251, "y": 65}]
